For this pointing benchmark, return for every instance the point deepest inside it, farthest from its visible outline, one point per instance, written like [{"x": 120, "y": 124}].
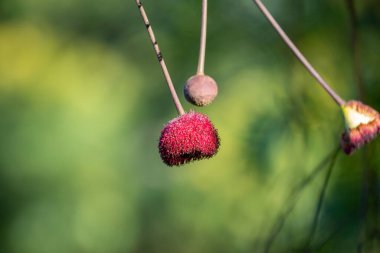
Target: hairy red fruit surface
[
  {"x": 362, "y": 126},
  {"x": 187, "y": 138}
]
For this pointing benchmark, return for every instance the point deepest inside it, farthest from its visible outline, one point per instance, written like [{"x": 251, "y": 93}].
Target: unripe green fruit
[{"x": 200, "y": 90}]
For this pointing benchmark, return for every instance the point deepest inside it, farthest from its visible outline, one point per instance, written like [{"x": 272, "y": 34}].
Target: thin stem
[
  {"x": 202, "y": 47},
  {"x": 160, "y": 58},
  {"x": 322, "y": 193},
  {"x": 363, "y": 202},
  {"x": 299, "y": 55},
  {"x": 293, "y": 198},
  {"x": 355, "y": 48}
]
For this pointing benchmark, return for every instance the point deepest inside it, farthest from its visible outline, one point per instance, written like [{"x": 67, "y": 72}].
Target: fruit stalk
[
  {"x": 160, "y": 59},
  {"x": 298, "y": 54},
  {"x": 202, "y": 48}
]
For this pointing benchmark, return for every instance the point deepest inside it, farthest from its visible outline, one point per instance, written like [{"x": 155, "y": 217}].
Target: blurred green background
[{"x": 83, "y": 101}]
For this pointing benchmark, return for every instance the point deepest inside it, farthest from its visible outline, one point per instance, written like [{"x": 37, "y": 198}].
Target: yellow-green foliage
[{"x": 82, "y": 103}]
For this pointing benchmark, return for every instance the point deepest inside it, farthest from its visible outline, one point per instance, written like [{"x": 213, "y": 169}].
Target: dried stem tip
[
  {"x": 362, "y": 125},
  {"x": 200, "y": 90},
  {"x": 187, "y": 138}
]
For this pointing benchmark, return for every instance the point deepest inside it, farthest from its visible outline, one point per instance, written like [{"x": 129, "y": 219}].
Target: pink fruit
[{"x": 187, "y": 138}]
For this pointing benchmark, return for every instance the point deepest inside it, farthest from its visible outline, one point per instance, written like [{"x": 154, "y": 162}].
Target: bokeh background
[{"x": 83, "y": 101}]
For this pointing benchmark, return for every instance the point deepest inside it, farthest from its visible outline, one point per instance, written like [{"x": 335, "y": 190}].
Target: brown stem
[
  {"x": 160, "y": 58},
  {"x": 299, "y": 55},
  {"x": 202, "y": 47}
]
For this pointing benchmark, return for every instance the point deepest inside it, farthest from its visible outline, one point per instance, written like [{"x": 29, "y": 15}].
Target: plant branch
[
  {"x": 160, "y": 58},
  {"x": 363, "y": 202},
  {"x": 293, "y": 198},
  {"x": 358, "y": 75},
  {"x": 298, "y": 54},
  {"x": 202, "y": 47},
  {"x": 322, "y": 193}
]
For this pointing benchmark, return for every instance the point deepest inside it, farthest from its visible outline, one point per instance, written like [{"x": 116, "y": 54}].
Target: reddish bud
[
  {"x": 200, "y": 90},
  {"x": 362, "y": 125},
  {"x": 187, "y": 138}
]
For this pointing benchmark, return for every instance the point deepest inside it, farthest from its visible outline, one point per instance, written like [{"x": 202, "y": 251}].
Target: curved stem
[
  {"x": 202, "y": 47},
  {"x": 299, "y": 55},
  {"x": 160, "y": 58},
  {"x": 293, "y": 198},
  {"x": 321, "y": 198}
]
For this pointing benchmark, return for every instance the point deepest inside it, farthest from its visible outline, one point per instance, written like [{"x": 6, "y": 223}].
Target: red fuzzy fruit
[
  {"x": 362, "y": 125},
  {"x": 187, "y": 138}
]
